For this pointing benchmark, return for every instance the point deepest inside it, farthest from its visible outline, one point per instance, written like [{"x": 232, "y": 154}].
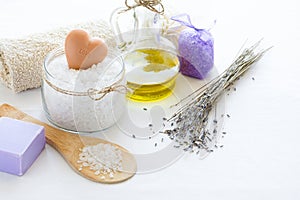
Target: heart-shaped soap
[{"x": 82, "y": 51}]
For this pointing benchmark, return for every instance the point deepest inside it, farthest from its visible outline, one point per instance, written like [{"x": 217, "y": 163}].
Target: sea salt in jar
[{"x": 83, "y": 100}]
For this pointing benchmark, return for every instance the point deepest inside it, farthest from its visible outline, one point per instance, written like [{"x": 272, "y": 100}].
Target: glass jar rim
[{"x": 60, "y": 51}]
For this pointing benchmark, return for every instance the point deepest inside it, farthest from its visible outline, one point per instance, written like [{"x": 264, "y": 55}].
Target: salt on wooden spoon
[{"x": 69, "y": 145}]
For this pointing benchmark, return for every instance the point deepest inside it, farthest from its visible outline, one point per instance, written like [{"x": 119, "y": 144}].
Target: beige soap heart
[{"x": 82, "y": 51}]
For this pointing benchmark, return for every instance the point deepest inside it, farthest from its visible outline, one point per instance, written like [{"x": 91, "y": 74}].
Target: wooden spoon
[{"x": 68, "y": 145}]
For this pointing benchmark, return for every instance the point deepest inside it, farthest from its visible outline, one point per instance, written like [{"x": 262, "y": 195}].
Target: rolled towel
[{"x": 21, "y": 60}]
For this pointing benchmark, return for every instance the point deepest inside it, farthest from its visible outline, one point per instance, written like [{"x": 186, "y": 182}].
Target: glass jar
[{"x": 83, "y": 101}]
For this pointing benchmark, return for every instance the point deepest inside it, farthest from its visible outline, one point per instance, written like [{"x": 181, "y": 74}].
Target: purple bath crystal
[
  {"x": 196, "y": 52},
  {"x": 196, "y": 49}
]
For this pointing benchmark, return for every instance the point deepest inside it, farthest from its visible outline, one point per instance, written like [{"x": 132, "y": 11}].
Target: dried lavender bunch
[{"x": 191, "y": 132}]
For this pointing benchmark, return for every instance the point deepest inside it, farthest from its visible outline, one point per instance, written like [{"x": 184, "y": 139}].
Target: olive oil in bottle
[{"x": 151, "y": 74}]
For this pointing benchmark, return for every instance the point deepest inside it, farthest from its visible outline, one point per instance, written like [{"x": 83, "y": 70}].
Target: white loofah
[{"x": 21, "y": 60}]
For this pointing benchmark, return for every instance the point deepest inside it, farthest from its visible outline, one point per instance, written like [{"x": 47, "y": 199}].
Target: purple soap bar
[
  {"x": 20, "y": 145},
  {"x": 196, "y": 52}
]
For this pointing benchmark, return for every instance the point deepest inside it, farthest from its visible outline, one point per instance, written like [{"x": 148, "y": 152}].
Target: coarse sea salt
[
  {"x": 103, "y": 159},
  {"x": 82, "y": 113}
]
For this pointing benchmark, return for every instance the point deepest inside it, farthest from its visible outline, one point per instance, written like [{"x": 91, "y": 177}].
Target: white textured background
[{"x": 261, "y": 154}]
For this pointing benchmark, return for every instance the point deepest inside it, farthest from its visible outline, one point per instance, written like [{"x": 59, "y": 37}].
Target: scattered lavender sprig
[{"x": 191, "y": 132}]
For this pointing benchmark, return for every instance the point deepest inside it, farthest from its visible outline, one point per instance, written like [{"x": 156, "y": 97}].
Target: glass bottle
[{"x": 151, "y": 60}]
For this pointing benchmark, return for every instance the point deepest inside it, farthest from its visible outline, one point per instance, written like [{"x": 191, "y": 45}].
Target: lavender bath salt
[{"x": 196, "y": 50}]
